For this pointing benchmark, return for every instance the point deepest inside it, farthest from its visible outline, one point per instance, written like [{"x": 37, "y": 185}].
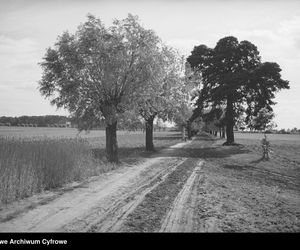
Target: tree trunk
[
  {"x": 229, "y": 121},
  {"x": 189, "y": 130},
  {"x": 149, "y": 134},
  {"x": 183, "y": 133},
  {"x": 111, "y": 142},
  {"x": 223, "y": 132}
]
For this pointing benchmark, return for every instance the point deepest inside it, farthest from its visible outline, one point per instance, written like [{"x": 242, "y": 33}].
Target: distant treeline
[
  {"x": 64, "y": 121},
  {"x": 36, "y": 121},
  {"x": 284, "y": 131}
]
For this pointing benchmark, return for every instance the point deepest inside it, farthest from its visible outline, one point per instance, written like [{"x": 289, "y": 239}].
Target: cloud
[
  {"x": 282, "y": 42},
  {"x": 290, "y": 29},
  {"x": 18, "y": 61},
  {"x": 17, "y": 51}
]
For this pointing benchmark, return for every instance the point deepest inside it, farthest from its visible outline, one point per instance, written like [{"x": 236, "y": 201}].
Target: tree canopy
[
  {"x": 233, "y": 76},
  {"x": 97, "y": 72},
  {"x": 263, "y": 120}
]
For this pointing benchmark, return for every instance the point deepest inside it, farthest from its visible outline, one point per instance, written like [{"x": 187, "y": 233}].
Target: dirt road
[
  {"x": 180, "y": 189},
  {"x": 102, "y": 203}
]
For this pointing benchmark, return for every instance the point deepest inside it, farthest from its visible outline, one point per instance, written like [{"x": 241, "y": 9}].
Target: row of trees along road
[
  {"x": 233, "y": 79},
  {"x": 111, "y": 73}
]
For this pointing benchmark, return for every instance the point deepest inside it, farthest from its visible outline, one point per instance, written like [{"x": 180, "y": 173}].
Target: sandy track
[
  {"x": 181, "y": 216},
  {"x": 100, "y": 205},
  {"x": 109, "y": 215}
]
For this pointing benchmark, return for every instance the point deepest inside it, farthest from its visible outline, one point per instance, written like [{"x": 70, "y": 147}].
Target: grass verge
[{"x": 30, "y": 166}]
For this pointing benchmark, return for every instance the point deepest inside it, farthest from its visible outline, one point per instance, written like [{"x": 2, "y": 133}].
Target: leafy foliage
[
  {"x": 97, "y": 71},
  {"x": 263, "y": 120},
  {"x": 233, "y": 76},
  {"x": 162, "y": 93}
]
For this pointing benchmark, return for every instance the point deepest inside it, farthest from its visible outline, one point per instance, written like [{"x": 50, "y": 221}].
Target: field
[
  {"x": 29, "y": 132},
  {"x": 245, "y": 193},
  {"x": 37, "y": 159},
  {"x": 285, "y": 157}
]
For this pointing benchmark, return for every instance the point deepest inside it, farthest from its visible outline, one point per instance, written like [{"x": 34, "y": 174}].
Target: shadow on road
[
  {"x": 201, "y": 147},
  {"x": 194, "y": 151}
]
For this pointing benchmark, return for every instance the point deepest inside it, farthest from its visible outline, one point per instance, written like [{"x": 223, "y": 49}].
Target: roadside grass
[
  {"x": 244, "y": 193},
  {"x": 30, "y": 165}
]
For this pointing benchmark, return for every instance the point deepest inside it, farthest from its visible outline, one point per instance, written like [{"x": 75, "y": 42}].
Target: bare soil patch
[{"x": 148, "y": 215}]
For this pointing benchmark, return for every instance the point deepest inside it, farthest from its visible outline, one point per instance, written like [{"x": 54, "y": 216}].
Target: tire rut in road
[
  {"x": 150, "y": 213},
  {"x": 75, "y": 205},
  {"x": 181, "y": 216},
  {"x": 111, "y": 213}
]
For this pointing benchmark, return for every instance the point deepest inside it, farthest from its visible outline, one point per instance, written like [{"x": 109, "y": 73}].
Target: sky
[{"x": 29, "y": 27}]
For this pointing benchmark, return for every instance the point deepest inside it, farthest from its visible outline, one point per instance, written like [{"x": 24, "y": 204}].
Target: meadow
[
  {"x": 257, "y": 195},
  {"x": 37, "y": 159},
  {"x": 285, "y": 150}
]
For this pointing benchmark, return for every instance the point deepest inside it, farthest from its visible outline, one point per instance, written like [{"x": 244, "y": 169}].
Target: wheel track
[
  {"x": 110, "y": 217},
  {"x": 180, "y": 217},
  {"x": 75, "y": 206}
]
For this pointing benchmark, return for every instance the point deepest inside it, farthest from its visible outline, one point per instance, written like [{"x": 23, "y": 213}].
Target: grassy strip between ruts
[{"x": 148, "y": 215}]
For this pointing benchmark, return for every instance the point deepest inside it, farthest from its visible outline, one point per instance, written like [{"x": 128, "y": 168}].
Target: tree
[
  {"x": 182, "y": 116},
  {"x": 214, "y": 118},
  {"x": 185, "y": 117},
  {"x": 233, "y": 75},
  {"x": 97, "y": 72},
  {"x": 263, "y": 120},
  {"x": 130, "y": 121},
  {"x": 162, "y": 93}
]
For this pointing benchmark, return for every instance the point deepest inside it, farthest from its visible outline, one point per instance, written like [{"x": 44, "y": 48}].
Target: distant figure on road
[{"x": 266, "y": 148}]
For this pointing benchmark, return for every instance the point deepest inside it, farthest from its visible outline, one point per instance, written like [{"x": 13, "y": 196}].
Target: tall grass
[{"x": 28, "y": 166}]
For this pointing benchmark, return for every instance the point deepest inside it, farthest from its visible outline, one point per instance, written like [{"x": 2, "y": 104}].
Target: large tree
[
  {"x": 97, "y": 72},
  {"x": 232, "y": 75},
  {"x": 162, "y": 93}
]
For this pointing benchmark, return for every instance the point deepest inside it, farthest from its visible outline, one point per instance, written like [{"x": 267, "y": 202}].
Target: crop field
[
  {"x": 25, "y": 132},
  {"x": 37, "y": 159}
]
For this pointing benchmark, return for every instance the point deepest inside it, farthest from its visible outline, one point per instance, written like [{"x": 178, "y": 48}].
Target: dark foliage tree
[
  {"x": 232, "y": 75},
  {"x": 263, "y": 120}
]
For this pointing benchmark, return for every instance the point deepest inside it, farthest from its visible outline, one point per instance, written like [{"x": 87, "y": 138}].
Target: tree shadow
[
  {"x": 167, "y": 138},
  {"x": 238, "y": 167},
  {"x": 204, "y": 137},
  {"x": 128, "y": 155},
  {"x": 258, "y": 160},
  {"x": 205, "y": 152}
]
